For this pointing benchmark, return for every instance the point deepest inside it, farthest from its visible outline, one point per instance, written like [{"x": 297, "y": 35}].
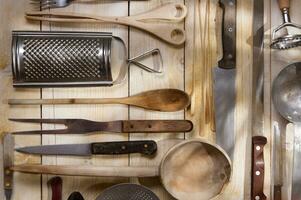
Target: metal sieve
[{"x": 127, "y": 191}]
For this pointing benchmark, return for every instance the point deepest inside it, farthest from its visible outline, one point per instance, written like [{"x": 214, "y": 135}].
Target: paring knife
[
  {"x": 224, "y": 80},
  {"x": 8, "y": 157},
  {"x": 79, "y": 126},
  {"x": 258, "y": 165},
  {"x": 147, "y": 147}
]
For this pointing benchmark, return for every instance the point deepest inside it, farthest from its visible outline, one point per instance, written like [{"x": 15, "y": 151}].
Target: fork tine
[
  {"x": 44, "y": 132},
  {"x": 48, "y": 121}
]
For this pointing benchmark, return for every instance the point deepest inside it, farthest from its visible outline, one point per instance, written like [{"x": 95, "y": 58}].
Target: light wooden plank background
[{"x": 184, "y": 69}]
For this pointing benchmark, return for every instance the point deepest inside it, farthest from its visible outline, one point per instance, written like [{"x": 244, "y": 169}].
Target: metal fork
[
  {"x": 74, "y": 126},
  {"x": 46, "y": 4},
  {"x": 79, "y": 126}
]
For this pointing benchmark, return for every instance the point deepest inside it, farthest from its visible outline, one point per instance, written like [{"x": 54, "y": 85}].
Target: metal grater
[{"x": 54, "y": 59}]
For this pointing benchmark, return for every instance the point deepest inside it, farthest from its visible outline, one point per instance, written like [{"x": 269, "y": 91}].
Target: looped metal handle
[{"x": 155, "y": 53}]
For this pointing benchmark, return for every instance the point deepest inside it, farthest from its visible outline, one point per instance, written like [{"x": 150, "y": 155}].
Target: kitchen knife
[
  {"x": 146, "y": 147},
  {"x": 8, "y": 158},
  {"x": 258, "y": 165},
  {"x": 224, "y": 80}
]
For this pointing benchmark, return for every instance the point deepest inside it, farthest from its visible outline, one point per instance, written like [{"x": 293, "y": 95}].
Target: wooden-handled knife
[
  {"x": 258, "y": 141},
  {"x": 147, "y": 147}
]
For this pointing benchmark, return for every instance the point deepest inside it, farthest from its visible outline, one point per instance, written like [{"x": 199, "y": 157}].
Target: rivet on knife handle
[
  {"x": 258, "y": 143},
  {"x": 151, "y": 126},
  {"x": 144, "y": 147},
  {"x": 8, "y": 152}
]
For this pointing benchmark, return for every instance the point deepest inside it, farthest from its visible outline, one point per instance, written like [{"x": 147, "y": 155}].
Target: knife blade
[
  {"x": 8, "y": 157},
  {"x": 147, "y": 147},
  {"x": 258, "y": 165},
  {"x": 224, "y": 80},
  {"x": 277, "y": 161}
]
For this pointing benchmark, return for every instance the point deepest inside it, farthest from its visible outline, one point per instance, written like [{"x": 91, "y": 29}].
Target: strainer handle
[{"x": 283, "y": 4}]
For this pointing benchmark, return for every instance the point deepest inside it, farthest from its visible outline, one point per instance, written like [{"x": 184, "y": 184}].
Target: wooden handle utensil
[
  {"x": 203, "y": 167},
  {"x": 56, "y": 185},
  {"x": 167, "y": 100},
  {"x": 284, "y": 4},
  {"x": 173, "y": 12}
]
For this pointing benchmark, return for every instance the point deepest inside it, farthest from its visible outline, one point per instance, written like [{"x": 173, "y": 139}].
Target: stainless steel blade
[
  {"x": 65, "y": 149},
  {"x": 258, "y": 68},
  {"x": 296, "y": 183},
  {"x": 224, "y": 80},
  {"x": 277, "y": 161},
  {"x": 225, "y": 97}
]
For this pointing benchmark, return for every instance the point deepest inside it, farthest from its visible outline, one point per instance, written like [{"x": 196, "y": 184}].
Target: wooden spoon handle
[
  {"x": 93, "y": 171},
  {"x": 284, "y": 4},
  {"x": 258, "y": 143},
  {"x": 64, "y": 101}
]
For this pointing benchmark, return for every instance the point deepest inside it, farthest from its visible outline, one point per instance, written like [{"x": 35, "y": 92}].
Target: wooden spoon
[
  {"x": 167, "y": 100},
  {"x": 168, "y": 13}
]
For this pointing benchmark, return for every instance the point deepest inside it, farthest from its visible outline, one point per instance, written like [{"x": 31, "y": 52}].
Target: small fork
[{"x": 46, "y": 4}]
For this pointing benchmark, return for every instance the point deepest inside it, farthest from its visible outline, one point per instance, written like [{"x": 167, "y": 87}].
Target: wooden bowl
[{"x": 195, "y": 170}]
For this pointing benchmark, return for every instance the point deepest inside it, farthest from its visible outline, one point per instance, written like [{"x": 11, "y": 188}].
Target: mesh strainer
[
  {"x": 53, "y": 59},
  {"x": 127, "y": 191}
]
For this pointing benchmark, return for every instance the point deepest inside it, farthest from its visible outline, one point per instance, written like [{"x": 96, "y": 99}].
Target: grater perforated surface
[
  {"x": 64, "y": 59},
  {"x": 127, "y": 192},
  {"x": 45, "y": 59}
]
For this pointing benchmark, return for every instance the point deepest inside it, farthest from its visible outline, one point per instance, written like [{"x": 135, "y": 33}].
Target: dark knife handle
[
  {"x": 147, "y": 147},
  {"x": 56, "y": 185},
  {"x": 228, "y": 34},
  {"x": 156, "y": 126},
  {"x": 258, "y": 143}
]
